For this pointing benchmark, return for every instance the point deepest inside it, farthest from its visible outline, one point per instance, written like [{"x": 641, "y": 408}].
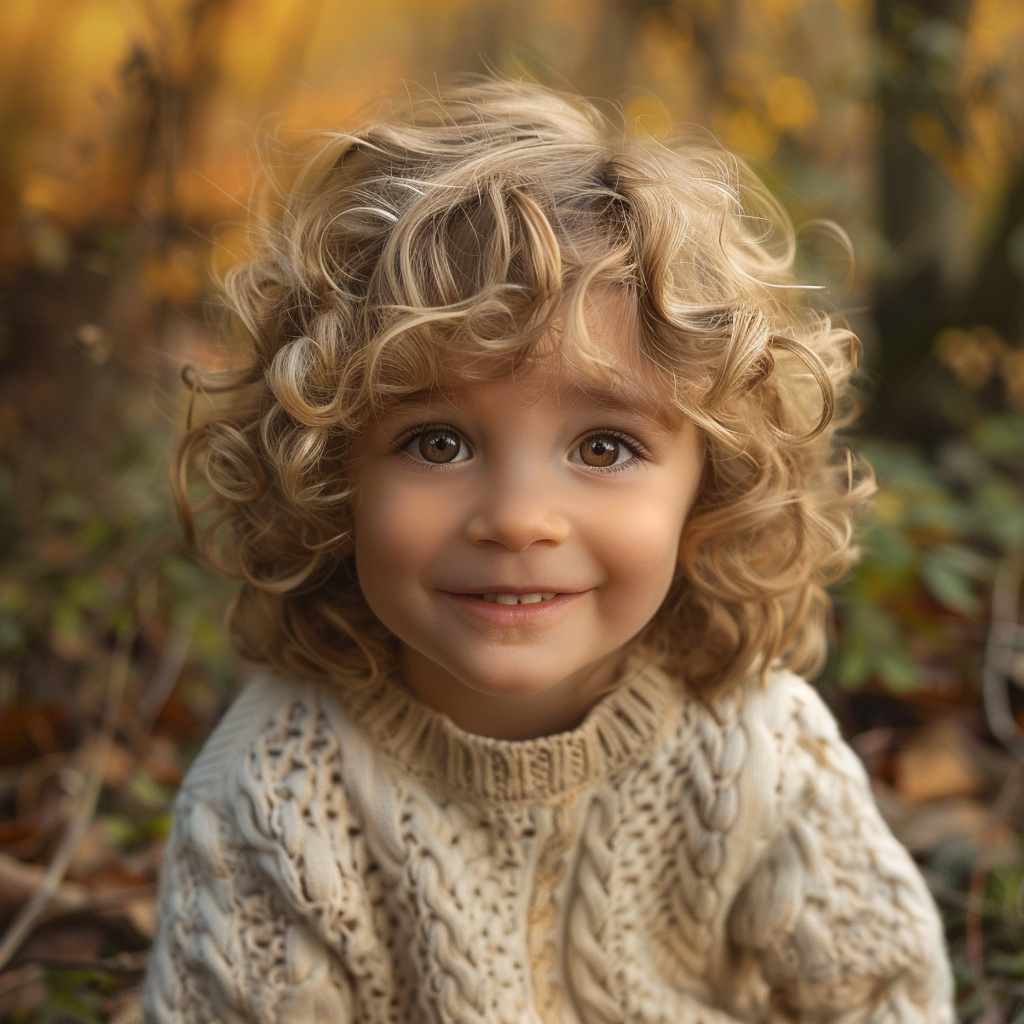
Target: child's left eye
[{"x": 606, "y": 451}]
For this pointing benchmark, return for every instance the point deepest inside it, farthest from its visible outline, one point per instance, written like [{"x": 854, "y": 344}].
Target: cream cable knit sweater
[{"x": 355, "y": 857}]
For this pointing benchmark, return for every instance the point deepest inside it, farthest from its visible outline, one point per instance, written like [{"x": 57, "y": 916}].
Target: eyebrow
[
  {"x": 615, "y": 398},
  {"x": 425, "y": 396},
  {"x": 633, "y": 400}
]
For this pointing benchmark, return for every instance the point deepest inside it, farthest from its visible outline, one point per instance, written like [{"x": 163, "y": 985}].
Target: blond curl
[{"x": 443, "y": 241}]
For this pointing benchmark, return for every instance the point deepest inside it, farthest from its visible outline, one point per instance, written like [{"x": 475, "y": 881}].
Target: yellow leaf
[
  {"x": 172, "y": 278},
  {"x": 790, "y": 102},
  {"x": 747, "y": 133},
  {"x": 648, "y": 116}
]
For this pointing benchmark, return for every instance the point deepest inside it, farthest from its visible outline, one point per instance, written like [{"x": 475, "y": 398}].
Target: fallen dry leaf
[
  {"x": 936, "y": 762},
  {"x": 18, "y": 881}
]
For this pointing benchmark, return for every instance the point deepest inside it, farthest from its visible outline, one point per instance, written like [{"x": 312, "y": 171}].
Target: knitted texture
[{"x": 352, "y": 856}]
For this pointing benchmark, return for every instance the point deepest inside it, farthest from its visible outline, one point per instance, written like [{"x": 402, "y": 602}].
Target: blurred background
[{"x": 126, "y": 159}]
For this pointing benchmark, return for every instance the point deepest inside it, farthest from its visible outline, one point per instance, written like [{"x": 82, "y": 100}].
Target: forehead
[
  {"x": 595, "y": 361},
  {"x": 552, "y": 378}
]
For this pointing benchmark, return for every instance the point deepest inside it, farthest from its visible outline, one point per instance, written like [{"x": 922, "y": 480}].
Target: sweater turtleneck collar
[{"x": 428, "y": 745}]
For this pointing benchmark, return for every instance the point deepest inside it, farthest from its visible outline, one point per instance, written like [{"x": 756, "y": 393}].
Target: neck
[{"x": 520, "y": 716}]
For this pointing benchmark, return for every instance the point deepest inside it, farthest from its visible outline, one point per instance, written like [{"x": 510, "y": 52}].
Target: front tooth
[
  {"x": 530, "y": 598},
  {"x": 547, "y": 597},
  {"x": 506, "y": 598}
]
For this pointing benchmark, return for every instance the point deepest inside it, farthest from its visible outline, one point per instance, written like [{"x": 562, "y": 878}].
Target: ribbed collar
[{"x": 428, "y": 744}]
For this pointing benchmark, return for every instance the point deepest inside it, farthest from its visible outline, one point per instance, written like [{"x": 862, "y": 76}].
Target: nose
[{"x": 517, "y": 510}]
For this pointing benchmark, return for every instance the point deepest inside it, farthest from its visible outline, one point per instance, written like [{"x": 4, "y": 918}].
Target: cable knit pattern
[{"x": 352, "y": 856}]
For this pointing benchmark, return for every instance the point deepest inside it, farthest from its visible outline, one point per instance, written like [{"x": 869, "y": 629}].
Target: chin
[{"x": 511, "y": 680}]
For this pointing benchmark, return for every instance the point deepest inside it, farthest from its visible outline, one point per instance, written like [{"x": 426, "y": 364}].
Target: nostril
[{"x": 517, "y": 531}]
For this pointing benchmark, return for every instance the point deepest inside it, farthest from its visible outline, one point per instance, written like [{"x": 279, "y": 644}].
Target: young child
[{"x": 531, "y": 486}]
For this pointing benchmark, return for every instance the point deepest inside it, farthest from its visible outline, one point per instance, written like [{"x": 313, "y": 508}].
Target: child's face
[{"x": 542, "y": 484}]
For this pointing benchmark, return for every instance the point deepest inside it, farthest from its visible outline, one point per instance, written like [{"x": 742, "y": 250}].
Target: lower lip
[{"x": 513, "y": 614}]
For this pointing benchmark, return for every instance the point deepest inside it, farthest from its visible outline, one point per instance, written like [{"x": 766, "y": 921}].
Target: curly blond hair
[{"x": 440, "y": 242}]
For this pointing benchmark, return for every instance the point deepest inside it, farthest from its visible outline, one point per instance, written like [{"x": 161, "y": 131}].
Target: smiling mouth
[{"x": 503, "y": 608}]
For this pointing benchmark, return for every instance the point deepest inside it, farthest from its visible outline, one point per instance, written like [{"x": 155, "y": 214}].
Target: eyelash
[
  {"x": 639, "y": 452},
  {"x": 404, "y": 440}
]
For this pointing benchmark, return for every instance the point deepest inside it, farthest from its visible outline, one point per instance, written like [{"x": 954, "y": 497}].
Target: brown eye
[
  {"x": 439, "y": 446},
  {"x": 600, "y": 452}
]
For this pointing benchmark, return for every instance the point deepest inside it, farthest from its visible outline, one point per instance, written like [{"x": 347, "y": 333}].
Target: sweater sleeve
[
  {"x": 240, "y": 936},
  {"x": 835, "y": 911}
]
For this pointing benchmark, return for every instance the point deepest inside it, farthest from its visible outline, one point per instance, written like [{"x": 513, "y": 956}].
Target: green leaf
[
  {"x": 122, "y": 830},
  {"x": 872, "y": 644},
  {"x": 854, "y": 663},
  {"x": 68, "y": 995},
  {"x": 1001, "y": 437},
  {"x": 1007, "y": 963},
  {"x": 950, "y": 573},
  {"x": 148, "y": 792},
  {"x": 999, "y": 506},
  {"x": 84, "y": 591},
  {"x": 66, "y": 507},
  {"x": 900, "y": 464},
  {"x": 898, "y": 670},
  {"x": 12, "y": 636}
]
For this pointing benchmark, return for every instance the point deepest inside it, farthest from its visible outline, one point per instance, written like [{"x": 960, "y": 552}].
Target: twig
[
  {"x": 30, "y": 913},
  {"x": 1005, "y": 638},
  {"x": 20, "y": 880},
  {"x": 127, "y": 964},
  {"x": 70, "y": 899},
  {"x": 22, "y": 976},
  {"x": 106, "y": 901},
  {"x": 1008, "y": 797},
  {"x": 976, "y": 948},
  {"x": 945, "y": 894},
  {"x": 172, "y": 661}
]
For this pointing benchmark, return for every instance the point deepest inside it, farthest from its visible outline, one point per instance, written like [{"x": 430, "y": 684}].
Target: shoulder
[
  {"x": 266, "y": 707},
  {"x": 781, "y": 703},
  {"x": 834, "y": 904},
  {"x": 794, "y": 720},
  {"x": 260, "y": 867},
  {"x": 780, "y": 740},
  {"x": 269, "y": 775},
  {"x": 812, "y": 752},
  {"x": 823, "y": 812},
  {"x": 266, "y": 699},
  {"x": 268, "y": 798}
]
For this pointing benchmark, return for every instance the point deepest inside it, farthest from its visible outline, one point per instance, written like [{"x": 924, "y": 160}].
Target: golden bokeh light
[{"x": 790, "y": 102}]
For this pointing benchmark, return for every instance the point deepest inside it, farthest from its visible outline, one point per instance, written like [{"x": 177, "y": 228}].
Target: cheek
[
  {"x": 642, "y": 548},
  {"x": 649, "y": 546},
  {"x": 387, "y": 545}
]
